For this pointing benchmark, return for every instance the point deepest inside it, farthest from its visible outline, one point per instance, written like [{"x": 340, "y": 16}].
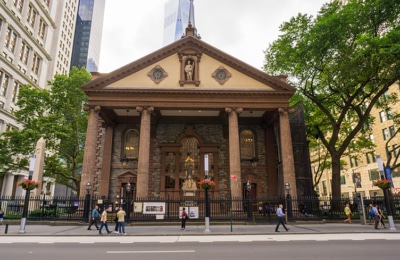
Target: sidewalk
[{"x": 197, "y": 229}]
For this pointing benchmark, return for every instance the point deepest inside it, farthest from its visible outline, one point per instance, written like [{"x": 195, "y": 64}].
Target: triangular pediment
[{"x": 164, "y": 69}]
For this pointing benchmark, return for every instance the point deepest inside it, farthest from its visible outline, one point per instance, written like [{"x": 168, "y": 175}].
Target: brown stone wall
[{"x": 168, "y": 133}]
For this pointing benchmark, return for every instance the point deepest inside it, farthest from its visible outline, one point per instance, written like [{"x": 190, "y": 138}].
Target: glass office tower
[{"x": 88, "y": 33}]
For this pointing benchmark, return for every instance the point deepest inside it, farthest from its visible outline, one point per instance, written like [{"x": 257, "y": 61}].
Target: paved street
[
  {"x": 303, "y": 240},
  {"x": 198, "y": 230}
]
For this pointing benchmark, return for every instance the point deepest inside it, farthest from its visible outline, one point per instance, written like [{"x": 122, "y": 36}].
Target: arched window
[
  {"x": 247, "y": 145},
  {"x": 131, "y": 147},
  {"x": 190, "y": 157}
]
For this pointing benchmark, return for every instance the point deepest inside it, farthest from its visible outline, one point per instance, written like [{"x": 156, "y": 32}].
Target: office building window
[
  {"x": 385, "y": 134},
  {"x": 4, "y": 83},
  {"x": 11, "y": 39},
  {"x": 24, "y": 53},
  {"x": 373, "y": 174},
  {"x": 382, "y": 115},
  {"x": 31, "y": 16},
  {"x": 342, "y": 180},
  {"x": 36, "y": 63},
  {"x": 392, "y": 131},
  {"x": 353, "y": 162},
  {"x": 18, "y": 4},
  {"x": 14, "y": 95},
  {"x": 389, "y": 114},
  {"x": 42, "y": 28},
  {"x": 371, "y": 158},
  {"x": 324, "y": 188}
]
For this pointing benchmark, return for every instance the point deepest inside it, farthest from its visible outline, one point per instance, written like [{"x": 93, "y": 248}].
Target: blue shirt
[
  {"x": 279, "y": 212},
  {"x": 95, "y": 213}
]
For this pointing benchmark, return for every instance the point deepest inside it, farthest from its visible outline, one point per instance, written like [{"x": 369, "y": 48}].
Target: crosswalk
[{"x": 201, "y": 239}]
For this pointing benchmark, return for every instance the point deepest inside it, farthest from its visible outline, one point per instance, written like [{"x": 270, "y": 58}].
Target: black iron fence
[{"x": 167, "y": 209}]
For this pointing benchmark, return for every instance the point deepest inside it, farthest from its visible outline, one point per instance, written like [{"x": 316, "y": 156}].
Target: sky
[{"x": 241, "y": 28}]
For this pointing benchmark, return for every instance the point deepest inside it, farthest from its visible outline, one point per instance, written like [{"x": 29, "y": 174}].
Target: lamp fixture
[
  {"x": 248, "y": 185},
  {"x": 88, "y": 187}
]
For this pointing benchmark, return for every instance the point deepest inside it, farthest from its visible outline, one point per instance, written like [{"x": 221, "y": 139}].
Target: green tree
[
  {"x": 342, "y": 62},
  {"x": 58, "y": 117}
]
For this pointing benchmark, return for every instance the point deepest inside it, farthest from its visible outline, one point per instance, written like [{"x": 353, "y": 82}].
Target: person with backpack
[
  {"x": 375, "y": 214},
  {"x": 184, "y": 217}
]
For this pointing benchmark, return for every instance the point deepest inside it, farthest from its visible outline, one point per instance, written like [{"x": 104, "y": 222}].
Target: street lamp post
[
  {"x": 207, "y": 199},
  {"x": 287, "y": 188},
  {"x": 249, "y": 209},
  {"x": 86, "y": 210},
  {"x": 386, "y": 194},
  {"x": 128, "y": 191},
  {"x": 27, "y": 194}
]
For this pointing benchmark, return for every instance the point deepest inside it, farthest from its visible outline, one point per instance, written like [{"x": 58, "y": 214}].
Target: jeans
[
  {"x": 121, "y": 227},
  {"x": 104, "y": 224}
]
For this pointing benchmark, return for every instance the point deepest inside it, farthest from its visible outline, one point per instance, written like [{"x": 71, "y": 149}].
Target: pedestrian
[
  {"x": 121, "y": 221},
  {"x": 184, "y": 217},
  {"x": 104, "y": 221},
  {"x": 116, "y": 222},
  {"x": 280, "y": 214},
  {"x": 371, "y": 215},
  {"x": 375, "y": 215},
  {"x": 1, "y": 217},
  {"x": 347, "y": 211},
  {"x": 381, "y": 216},
  {"x": 95, "y": 217}
]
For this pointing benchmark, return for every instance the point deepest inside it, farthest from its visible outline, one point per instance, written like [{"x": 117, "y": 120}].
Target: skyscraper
[
  {"x": 88, "y": 32},
  {"x": 177, "y": 14},
  {"x": 35, "y": 44}
]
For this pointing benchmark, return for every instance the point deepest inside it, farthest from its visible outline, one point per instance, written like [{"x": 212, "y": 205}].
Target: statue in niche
[
  {"x": 189, "y": 70},
  {"x": 189, "y": 183}
]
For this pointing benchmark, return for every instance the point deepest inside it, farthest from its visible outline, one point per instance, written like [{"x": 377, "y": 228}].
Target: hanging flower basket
[
  {"x": 27, "y": 184},
  {"x": 206, "y": 184},
  {"x": 383, "y": 184}
]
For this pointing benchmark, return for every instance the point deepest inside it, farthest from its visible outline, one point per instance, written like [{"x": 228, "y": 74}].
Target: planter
[
  {"x": 382, "y": 184},
  {"x": 206, "y": 184}
]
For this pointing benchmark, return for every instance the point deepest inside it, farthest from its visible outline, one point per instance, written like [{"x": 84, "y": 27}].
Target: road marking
[
  {"x": 199, "y": 239},
  {"x": 150, "y": 252}
]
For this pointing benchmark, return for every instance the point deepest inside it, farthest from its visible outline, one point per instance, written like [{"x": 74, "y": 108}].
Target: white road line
[
  {"x": 199, "y": 239},
  {"x": 150, "y": 252}
]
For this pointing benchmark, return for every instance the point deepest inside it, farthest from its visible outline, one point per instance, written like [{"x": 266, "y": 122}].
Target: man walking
[
  {"x": 95, "y": 216},
  {"x": 104, "y": 221},
  {"x": 280, "y": 214},
  {"x": 121, "y": 221},
  {"x": 376, "y": 215}
]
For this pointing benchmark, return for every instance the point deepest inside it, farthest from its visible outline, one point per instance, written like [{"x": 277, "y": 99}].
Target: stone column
[
  {"x": 90, "y": 149},
  {"x": 106, "y": 162},
  {"x": 234, "y": 151},
  {"x": 142, "y": 184},
  {"x": 287, "y": 153},
  {"x": 39, "y": 163}
]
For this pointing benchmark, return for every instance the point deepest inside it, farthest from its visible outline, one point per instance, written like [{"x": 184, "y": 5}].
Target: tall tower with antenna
[{"x": 177, "y": 15}]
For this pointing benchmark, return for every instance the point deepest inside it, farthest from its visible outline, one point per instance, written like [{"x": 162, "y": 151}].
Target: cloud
[{"x": 243, "y": 29}]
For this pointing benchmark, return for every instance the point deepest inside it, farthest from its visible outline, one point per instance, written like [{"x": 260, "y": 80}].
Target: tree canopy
[
  {"x": 58, "y": 117},
  {"x": 342, "y": 61}
]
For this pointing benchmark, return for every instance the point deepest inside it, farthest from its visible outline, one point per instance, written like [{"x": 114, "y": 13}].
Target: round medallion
[
  {"x": 157, "y": 74},
  {"x": 221, "y": 74}
]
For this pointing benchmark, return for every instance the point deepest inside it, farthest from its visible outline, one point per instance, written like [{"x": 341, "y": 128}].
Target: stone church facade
[{"x": 182, "y": 112}]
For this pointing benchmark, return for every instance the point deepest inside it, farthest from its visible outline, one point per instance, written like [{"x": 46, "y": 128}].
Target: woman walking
[{"x": 347, "y": 211}]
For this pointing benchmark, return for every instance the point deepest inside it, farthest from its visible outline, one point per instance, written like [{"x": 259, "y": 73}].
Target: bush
[{"x": 45, "y": 213}]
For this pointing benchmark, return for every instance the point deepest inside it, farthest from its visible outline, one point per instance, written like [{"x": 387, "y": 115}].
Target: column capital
[
  {"x": 286, "y": 110},
  {"x": 140, "y": 109},
  {"x": 234, "y": 109},
  {"x": 87, "y": 107}
]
